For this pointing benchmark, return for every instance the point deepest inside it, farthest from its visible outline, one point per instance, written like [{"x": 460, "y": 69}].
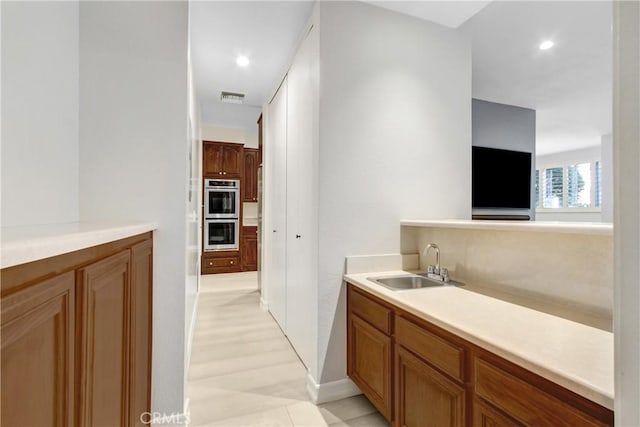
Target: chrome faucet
[
  {"x": 434, "y": 271},
  {"x": 430, "y": 268}
]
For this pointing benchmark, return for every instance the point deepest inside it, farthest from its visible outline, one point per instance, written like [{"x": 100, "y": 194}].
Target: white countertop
[
  {"x": 532, "y": 226},
  {"x": 22, "y": 244},
  {"x": 575, "y": 356}
]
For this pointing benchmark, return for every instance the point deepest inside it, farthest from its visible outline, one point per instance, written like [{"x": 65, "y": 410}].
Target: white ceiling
[
  {"x": 569, "y": 85},
  {"x": 264, "y": 31},
  {"x": 450, "y": 13}
]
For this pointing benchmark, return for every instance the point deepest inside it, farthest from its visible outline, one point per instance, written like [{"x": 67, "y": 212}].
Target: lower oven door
[{"x": 221, "y": 234}]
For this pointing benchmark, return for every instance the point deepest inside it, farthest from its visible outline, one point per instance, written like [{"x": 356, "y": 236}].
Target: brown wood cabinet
[
  {"x": 103, "y": 348},
  {"x": 76, "y": 337},
  {"x": 250, "y": 181},
  {"x": 141, "y": 327},
  {"x": 369, "y": 355},
  {"x": 38, "y": 354},
  {"x": 518, "y": 398},
  {"x": 441, "y": 379},
  {"x": 221, "y": 262},
  {"x": 222, "y": 160},
  {"x": 249, "y": 248},
  {"x": 484, "y": 415},
  {"x": 424, "y": 396}
]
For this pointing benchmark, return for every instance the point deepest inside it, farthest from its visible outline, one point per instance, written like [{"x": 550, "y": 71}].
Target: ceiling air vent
[{"x": 232, "y": 97}]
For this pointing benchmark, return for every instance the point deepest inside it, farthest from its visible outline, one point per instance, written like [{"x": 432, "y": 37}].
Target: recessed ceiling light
[
  {"x": 547, "y": 44},
  {"x": 242, "y": 61}
]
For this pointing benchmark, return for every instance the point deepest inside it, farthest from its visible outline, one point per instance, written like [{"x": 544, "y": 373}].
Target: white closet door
[
  {"x": 301, "y": 211},
  {"x": 277, "y": 139}
]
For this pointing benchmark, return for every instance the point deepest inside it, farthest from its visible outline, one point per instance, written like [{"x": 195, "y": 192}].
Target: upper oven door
[{"x": 222, "y": 203}]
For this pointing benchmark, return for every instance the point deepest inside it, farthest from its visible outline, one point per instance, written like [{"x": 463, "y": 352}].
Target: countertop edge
[
  {"x": 526, "y": 226},
  {"x": 17, "y": 251},
  {"x": 571, "y": 382}
]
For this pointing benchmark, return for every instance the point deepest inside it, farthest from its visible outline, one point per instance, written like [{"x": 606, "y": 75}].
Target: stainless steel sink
[{"x": 410, "y": 281}]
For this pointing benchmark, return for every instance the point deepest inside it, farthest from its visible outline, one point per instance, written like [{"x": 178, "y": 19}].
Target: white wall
[
  {"x": 626, "y": 134},
  {"x": 583, "y": 155},
  {"x": 395, "y": 142},
  {"x": 194, "y": 215},
  {"x": 39, "y": 112},
  {"x": 134, "y": 151},
  {"x": 506, "y": 127},
  {"x": 241, "y": 116},
  {"x": 227, "y": 134},
  {"x": 573, "y": 274},
  {"x": 587, "y": 154}
]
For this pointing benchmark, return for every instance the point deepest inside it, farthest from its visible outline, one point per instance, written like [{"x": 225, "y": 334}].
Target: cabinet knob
[
  {"x": 210, "y": 263},
  {"x": 298, "y": 236},
  {"x": 219, "y": 173},
  {"x": 231, "y": 262},
  {"x": 224, "y": 173}
]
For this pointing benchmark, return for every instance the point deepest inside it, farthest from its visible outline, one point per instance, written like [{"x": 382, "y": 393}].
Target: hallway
[{"x": 244, "y": 372}]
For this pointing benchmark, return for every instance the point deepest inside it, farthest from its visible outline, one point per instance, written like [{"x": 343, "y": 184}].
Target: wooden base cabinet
[
  {"x": 249, "y": 248},
  {"x": 369, "y": 355},
  {"x": 103, "y": 302},
  {"x": 442, "y": 380},
  {"x": 141, "y": 327},
  {"x": 370, "y": 364},
  {"x": 425, "y": 397},
  {"x": 484, "y": 415},
  {"x": 76, "y": 346},
  {"x": 38, "y": 354},
  {"x": 221, "y": 262}
]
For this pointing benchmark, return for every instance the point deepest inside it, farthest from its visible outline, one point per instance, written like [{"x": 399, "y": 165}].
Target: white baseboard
[
  {"x": 264, "y": 305},
  {"x": 328, "y": 392},
  {"x": 192, "y": 328},
  {"x": 177, "y": 419}
]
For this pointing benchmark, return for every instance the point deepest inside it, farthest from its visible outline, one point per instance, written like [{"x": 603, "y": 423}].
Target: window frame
[{"x": 565, "y": 175}]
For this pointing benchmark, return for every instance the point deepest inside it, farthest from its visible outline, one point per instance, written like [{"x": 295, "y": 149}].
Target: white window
[{"x": 573, "y": 186}]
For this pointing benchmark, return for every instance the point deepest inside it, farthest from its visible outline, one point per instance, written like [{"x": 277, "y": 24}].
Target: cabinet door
[
  {"x": 232, "y": 161},
  {"x": 249, "y": 248},
  {"x": 517, "y": 396},
  {"x": 250, "y": 181},
  {"x": 425, "y": 397},
  {"x": 103, "y": 302},
  {"x": 37, "y": 354},
  {"x": 302, "y": 197},
  {"x": 369, "y": 363},
  {"x": 275, "y": 193},
  {"x": 486, "y": 416},
  {"x": 141, "y": 318},
  {"x": 212, "y": 162}
]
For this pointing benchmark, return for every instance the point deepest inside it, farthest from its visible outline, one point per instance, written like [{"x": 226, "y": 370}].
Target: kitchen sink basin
[{"x": 410, "y": 281}]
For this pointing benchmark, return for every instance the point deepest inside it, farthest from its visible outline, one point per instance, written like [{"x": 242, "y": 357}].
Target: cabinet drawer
[
  {"x": 374, "y": 313},
  {"x": 443, "y": 355},
  {"x": 523, "y": 401},
  {"x": 222, "y": 262}
]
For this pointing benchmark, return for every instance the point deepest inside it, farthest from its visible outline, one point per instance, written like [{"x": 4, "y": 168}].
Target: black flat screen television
[{"x": 500, "y": 179}]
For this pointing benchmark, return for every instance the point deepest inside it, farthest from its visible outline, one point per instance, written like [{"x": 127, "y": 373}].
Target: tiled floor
[{"x": 244, "y": 372}]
